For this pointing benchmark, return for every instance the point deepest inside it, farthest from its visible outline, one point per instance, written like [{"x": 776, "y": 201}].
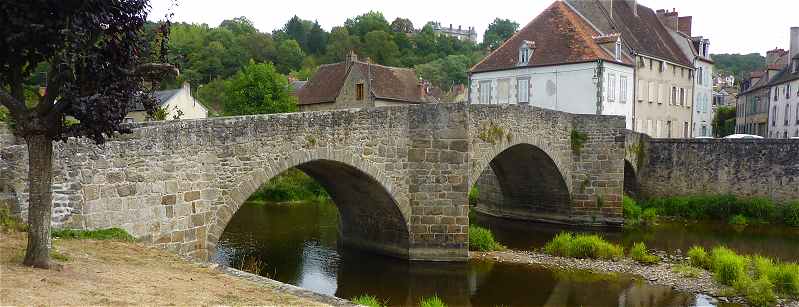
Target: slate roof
[
  {"x": 785, "y": 75},
  {"x": 761, "y": 83},
  {"x": 560, "y": 37},
  {"x": 161, "y": 96},
  {"x": 644, "y": 33},
  {"x": 296, "y": 85},
  {"x": 387, "y": 83}
]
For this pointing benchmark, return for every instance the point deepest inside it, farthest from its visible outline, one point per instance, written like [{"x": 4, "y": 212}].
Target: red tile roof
[{"x": 560, "y": 37}]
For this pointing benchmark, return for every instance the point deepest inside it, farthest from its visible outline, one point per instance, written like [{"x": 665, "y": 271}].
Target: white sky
[{"x": 733, "y": 26}]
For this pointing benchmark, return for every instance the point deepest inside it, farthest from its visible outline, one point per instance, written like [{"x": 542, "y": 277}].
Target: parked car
[
  {"x": 743, "y": 136},
  {"x": 704, "y": 137}
]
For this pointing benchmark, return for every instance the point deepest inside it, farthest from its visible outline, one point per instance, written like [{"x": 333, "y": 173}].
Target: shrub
[
  {"x": 790, "y": 214},
  {"x": 433, "y": 301},
  {"x": 481, "y": 239},
  {"x": 632, "y": 211},
  {"x": 727, "y": 266},
  {"x": 724, "y": 207},
  {"x": 583, "y": 246},
  {"x": 367, "y": 300},
  {"x": 116, "y": 234},
  {"x": 474, "y": 193},
  {"x": 639, "y": 253},
  {"x": 759, "y": 292},
  {"x": 698, "y": 257},
  {"x": 649, "y": 216},
  {"x": 291, "y": 185},
  {"x": 739, "y": 220},
  {"x": 578, "y": 139},
  {"x": 784, "y": 276}
]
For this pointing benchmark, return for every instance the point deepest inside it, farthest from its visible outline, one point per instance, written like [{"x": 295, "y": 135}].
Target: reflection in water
[
  {"x": 771, "y": 240},
  {"x": 298, "y": 244}
]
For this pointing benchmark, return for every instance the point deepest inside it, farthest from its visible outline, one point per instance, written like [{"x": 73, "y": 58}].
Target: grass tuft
[
  {"x": 687, "y": 270},
  {"x": 115, "y": 234},
  {"x": 639, "y": 253},
  {"x": 727, "y": 266},
  {"x": 367, "y": 300},
  {"x": 583, "y": 246},
  {"x": 698, "y": 257},
  {"x": 9, "y": 222},
  {"x": 58, "y": 256},
  {"x": 433, "y": 301},
  {"x": 739, "y": 220},
  {"x": 481, "y": 239}
]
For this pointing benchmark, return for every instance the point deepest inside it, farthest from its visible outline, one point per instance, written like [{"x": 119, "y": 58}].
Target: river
[{"x": 298, "y": 244}]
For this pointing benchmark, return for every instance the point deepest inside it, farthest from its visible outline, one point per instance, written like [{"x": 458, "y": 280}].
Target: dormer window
[
  {"x": 617, "y": 51},
  {"x": 526, "y": 52}
]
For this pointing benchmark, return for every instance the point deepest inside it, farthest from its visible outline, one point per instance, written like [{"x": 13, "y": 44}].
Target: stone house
[
  {"x": 697, "y": 49},
  {"x": 178, "y": 103},
  {"x": 559, "y": 62},
  {"x": 753, "y": 102},
  {"x": 358, "y": 84},
  {"x": 783, "y": 91},
  {"x": 664, "y": 76}
]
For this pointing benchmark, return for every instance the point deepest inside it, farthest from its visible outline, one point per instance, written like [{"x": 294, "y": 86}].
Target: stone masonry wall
[{"x": 763, "y": 168}]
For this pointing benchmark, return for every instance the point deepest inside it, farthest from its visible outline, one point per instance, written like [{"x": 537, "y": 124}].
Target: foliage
[
  {"x": 380, "y": 47},
  {"x": 687, "y": 270},
  {"x": 115, "y": 234},
  {"x": 639, "y": 253},
  {"x": 58, "y": 256},
  {"x": 649, "y": 216},
  {"x": 481, "y": 239},
  {"x": 9, "y": 222},
  {"x": 491, "y": 132},
  {"x": 738, "y": 65},
  {"x": 498, "y": 32},
  {"x": 723, "y": 208},
  {"x": 291, "y": 185},
  {"x": 4, "y": 116},
  {"x": 367, "y": 300},
  {"x": 790, "y": 214},
  {"x": 258, "y": 89},
  {"x": 446, "y": 72},
  {"x": 160, "y": 113},
  {"x": 631, "y": 209},
  {"x": 578, "y": 139},
  {"x": 289, "y": 56},
  {"x": 698, "y": 257},
  {"x": 213, "y": 95},
  {"x": 251, "y": 264},
  {"x": 724, "y": 121},
  {"x": 727, "y": 266},
  {"x": 583, "y": 246},
  {"x": 739, "y": 220},
  {"x": 402, "y": 25},
  {"x": 433, "y": 301},
  {"x": 474, "y": 195}
]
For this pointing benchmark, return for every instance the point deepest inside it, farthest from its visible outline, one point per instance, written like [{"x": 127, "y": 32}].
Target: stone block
[{"x": 169, "y": 199}]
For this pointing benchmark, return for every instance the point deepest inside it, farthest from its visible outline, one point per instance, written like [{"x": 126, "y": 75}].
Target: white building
[
  {"x": 783, "y": 119},
  {"x": 178, "y": 103},
  {"x": 560, "y": 62},
  {"x": 703, "y": 88}
]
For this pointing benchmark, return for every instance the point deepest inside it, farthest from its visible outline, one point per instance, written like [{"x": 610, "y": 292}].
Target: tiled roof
[
  {"x": 644, "y": 33},
  {"x": 560, "y": 36},
  {"x": 388, "y": 83}
]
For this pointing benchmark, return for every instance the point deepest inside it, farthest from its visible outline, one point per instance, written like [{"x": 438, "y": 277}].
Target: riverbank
[
  {"x": 125, "y": 273},
  {"x": 662, "y": 274}
]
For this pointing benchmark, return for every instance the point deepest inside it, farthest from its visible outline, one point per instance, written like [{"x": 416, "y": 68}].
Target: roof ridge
[{"x": 598, "y": 51}]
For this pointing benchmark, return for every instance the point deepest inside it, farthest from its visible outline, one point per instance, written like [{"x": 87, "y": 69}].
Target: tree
[
  {"x": 402, "y": 25},
  {"x": 258, "y": 89},
  {"x": 317, "y": 39},
  {"x": 369, "y": 22},
  {"x": 724, "y": 121},
  {"x": 295, "y": 29},
  {"x": 289, "y": 56},
  {"x": 95, "y": 73},
  {"x": 499, "y": 31},
  {"x": 239, "y": 25},
  {"x": 379, "y": 46},
  {"x": 446, "y": 72},
  {"x": 339, "y": 44}
]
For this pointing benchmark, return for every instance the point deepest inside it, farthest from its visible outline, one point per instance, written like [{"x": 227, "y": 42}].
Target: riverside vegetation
[
  {"x": 371, "y": 301},
  {"x": 735, "y": 210}
]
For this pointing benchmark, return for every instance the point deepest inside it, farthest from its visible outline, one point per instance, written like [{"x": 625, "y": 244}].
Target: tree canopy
[
  {"x": 498, "y": 32},
  {"x": 738, "y": 65},
  {"x": 258, "y": 89}
]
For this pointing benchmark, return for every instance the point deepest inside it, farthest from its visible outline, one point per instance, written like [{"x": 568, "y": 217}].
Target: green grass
[
  {"x": 291, "y": 185},
  {"x": 9, "y": 222},
  {"x": 583, "y": 246},
  {"x": 727, "y": 266},
  {"x": 739, "y": 220},
  {"x": 115, "y": 234},
  {"x": 474, "y": 194},
  {"x": 698, "y": 257},
  {"x": 433, "y": 301},
  {"x": 790, "y": 214},
  {"x": 631, "y": 209},
  {"x": 58, "y": 256},
  {"x": 639, "y": 253},
  {"x": 687, "y": 270},
  {"x": 367, "y": 300},
  {"x": 725, "y": 208},
  {"x": 481, "y": 239}
]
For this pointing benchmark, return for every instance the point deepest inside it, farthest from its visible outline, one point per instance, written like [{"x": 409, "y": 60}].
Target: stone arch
[
  {"x": 371, "y": 217},
  {"x": 632, "y": 186},
  {"x": 529, "y": 183}
]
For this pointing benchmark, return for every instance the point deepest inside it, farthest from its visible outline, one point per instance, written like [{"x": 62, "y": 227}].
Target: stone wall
[{"x": 763, "y": 168}]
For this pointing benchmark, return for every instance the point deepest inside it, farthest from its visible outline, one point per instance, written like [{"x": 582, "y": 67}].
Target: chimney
[
  {"x": 669, "y": 19},
  {"x": 422, "y": 91},
  {"x": 351, "y": 57},
  {"x": 773, "y": 56},
  {"x": 684, "y": 24},
  {"x": 794, "y": 43}
]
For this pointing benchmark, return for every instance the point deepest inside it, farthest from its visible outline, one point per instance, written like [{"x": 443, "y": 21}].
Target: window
[
  {"x": 787, "y": 91},
  {"x": 623, "y": 89},
  {"x": 359, "y": 91},
  {"x": 657, "y": 129},
  {"x": 653, "y": 92},
  {"x": 650, "y": 64},
  {"x": 649, "y": 127},
  {"x": 523, "y": 90},
  {"x": 662, "y": 66},
  {"x": 503, "y": 90},
  {"x": 699, "y": 76},
  {"x": 774, "y": 117},
  {"x": 641, "y": 91},
  {"x": 611, "y": 87},
  {"x": 682, "y": 96},
  {"x": 526, "y": 52},
  {"x": 776, "y": 91},
  {"x": 797, "y": 113},
  {"x": 704, "y": 130},
  {"x": 685, "y": 130},
  {"x": 617, "y": 53},
  {"x": 668, "y": 129},
  {"x": 673, "y": 95},
  {"x": 787, "y": 113},
  {"x": 485, "y": 92}
]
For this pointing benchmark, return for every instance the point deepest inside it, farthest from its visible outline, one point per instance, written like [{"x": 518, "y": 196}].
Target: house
[
  {"x": 558, "y": 61},
  {"x": 664, "y": 76},
  {"x": 468, "y": 34},
  {"x": 783, "y": 91},
  {"x": 753, "y": 102},
  {"x": 697, "y": 49},
  {"x": 178, "y": 103},
  {"x": 357, "y": 84},
  {"x": 724, "y": 97}
]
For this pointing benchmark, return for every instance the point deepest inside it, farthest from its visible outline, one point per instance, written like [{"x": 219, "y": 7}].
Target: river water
[{"x": 298, "y": 244}]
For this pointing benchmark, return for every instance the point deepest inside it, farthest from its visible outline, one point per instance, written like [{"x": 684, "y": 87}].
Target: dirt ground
[{"x": 123, "y": 273}]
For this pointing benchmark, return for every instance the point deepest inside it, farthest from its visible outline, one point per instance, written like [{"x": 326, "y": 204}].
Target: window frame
[
  {"x": 526, "y": 90},
  {"x": 622, "y": 89},
  {"x": 359, "y": 91},
  {"x": 481, "y": 89}
]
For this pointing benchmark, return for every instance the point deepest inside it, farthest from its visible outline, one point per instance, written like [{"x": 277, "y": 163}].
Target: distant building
[
  {"x": 357, "y": 84},
  {"x": 178, "y": 103},
  {"x": 468, "y": 34},
  {"x": 723, "y": 81},
  {"x": 783, "y": 91},
  {"x": 559, "y": 62},
  {"x": 724, "y": 97}
]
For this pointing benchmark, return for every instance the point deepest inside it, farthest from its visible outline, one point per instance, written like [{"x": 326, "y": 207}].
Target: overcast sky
[{"x": 733, "y": 26}]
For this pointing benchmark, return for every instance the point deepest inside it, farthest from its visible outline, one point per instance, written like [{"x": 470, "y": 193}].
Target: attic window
[
  {"x": 526, "y": 52},
  {"x": 617, "y": 51}
]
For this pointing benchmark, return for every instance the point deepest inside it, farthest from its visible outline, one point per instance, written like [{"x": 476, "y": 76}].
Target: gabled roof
[
  {"x": 162, "y": 96},
  {"x": 560, "y": 37},
  {"x": 761, "y": 83},
  {"x": 785, "y": 75},
  {"x": 644, "y": 33},
  {"x": 388, "y": 83}
]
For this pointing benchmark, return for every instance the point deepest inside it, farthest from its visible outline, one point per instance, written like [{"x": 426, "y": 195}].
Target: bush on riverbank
[
  {"x": 583, "y": 246},
  {"x": 639, "y": 253},
  {"x": 724, "y": 208},
  {"x": 291, "y": 185},
  {"x": 115, "y": 234},
  {"x": 433, "y": 301},
  {"x": 474, "y": 194},
  {"x": 481, "y": 239},
  {"x": 367, "y": 300},
  {"x": 634, "y": 215}
]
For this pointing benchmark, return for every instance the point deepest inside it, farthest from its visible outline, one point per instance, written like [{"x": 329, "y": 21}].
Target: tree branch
[
  {"x": 16, "y": 107},
  {"x": 55, "y": 81}
]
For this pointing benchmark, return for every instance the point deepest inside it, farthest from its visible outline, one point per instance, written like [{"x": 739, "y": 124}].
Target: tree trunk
[{"x": 40, "y": 212}]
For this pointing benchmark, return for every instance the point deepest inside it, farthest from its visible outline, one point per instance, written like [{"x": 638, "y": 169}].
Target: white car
[
  {"x": 704, "y": 137},
  {"x": 743, "y": 136}
]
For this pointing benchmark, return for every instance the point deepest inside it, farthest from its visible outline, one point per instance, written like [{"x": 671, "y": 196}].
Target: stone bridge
[{"x": 399, "y": 175}]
